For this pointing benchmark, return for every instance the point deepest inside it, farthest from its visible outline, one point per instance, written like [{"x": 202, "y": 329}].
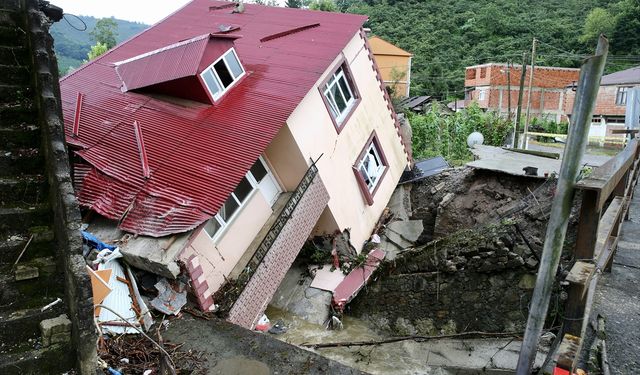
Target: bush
[{"x": 435, "y": 133}]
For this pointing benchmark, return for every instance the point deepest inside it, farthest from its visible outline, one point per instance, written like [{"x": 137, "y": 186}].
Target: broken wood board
[{"x": 328, "y": 280}]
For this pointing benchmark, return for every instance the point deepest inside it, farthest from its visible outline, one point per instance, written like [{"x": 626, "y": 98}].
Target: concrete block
[
  {"x": 26, "y": 273},
  {"x": 409, "y": 231},
  {"x": 55, "y": 330}
]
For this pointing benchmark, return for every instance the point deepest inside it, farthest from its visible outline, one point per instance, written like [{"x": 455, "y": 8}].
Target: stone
[
  {"x": 55, "y": 330},
  {"x": 26, "y": 273},
  {"x": 532, "y": 262},
  {"x": 446, "y": 200},
  {"x": 408, "y": 230},
  {"x": 403, "y": 327},
  {"x": 437, "y": 188},
  {"x": 400, "y": 204},
  {"x": 527, "y": 281}
]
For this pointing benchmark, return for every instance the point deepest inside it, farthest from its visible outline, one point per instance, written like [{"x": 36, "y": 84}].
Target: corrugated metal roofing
[
  {"x": 197, "y": 153},
  {"x": 627, "y": 76}
]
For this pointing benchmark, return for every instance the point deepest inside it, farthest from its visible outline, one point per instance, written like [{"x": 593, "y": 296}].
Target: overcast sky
[{"x": 145, "y": 11}]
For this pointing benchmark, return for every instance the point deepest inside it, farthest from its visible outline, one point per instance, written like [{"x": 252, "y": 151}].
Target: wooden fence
[{"x": 606, "y": 195}]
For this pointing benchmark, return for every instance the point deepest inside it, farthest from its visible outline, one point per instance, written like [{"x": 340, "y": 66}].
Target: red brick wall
[
  {"x": 605, "y": 102},
  {"x": 548, "y": 84},
  {"x": 496, "y": 75},
  {"x": 264, "y": 282}
]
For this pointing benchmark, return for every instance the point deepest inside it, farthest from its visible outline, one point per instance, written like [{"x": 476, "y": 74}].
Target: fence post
[{"x": 588, "y": 85}]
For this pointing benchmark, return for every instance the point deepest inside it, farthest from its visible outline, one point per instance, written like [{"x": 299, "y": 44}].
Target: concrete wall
[
  {"x": 286, "y": 160},
  {"x": 210, "y": 261},
  {"x": 66, "y": 213},
  {"x": 314, "y": 133}
]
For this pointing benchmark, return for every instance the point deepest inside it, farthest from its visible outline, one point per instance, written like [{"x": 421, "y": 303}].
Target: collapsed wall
[{"x": 478, "y": 275}]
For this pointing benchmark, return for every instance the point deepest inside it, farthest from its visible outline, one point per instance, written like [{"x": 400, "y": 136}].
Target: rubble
[
  {"x": 55, "y": 330},
  {"x": 171, "y": 297}
]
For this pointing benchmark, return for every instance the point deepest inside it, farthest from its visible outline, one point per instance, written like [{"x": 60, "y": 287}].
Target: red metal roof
[{"x": 197, "y": 153}]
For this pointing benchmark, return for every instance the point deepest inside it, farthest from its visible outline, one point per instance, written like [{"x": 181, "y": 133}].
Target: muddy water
[{"x": 440, "y": 357}]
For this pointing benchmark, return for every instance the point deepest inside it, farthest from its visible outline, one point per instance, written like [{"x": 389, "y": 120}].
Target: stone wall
[
  {"x": 474, "y": 280},
  {"x": 66, "y": 213}
]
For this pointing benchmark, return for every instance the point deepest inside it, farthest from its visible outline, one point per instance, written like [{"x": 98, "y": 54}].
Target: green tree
[
  {"x": 599, "y": 21},
  {"x": 293, "y": 3},
  {"x": 625, "y": 38},
  {"x": 324, "y": 5},
  {"x": 97, "y": 50},
  {"x": 105, "y": 32}
]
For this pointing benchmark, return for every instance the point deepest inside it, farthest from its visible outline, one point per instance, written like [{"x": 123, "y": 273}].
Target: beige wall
[
  {"x": 286, "y": 160},
  {"x": 311, "y": 126},
  {"x": 218, "y": 257}
]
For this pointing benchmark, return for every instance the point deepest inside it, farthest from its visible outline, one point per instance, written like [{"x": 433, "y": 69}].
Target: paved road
[{"x": 618, "y": 297}]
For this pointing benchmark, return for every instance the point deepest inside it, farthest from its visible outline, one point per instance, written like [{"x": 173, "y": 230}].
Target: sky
[{"x": 145, "y": 11}]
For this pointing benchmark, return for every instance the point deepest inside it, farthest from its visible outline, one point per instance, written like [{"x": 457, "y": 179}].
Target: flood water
[{"x": 440, "y": 357}]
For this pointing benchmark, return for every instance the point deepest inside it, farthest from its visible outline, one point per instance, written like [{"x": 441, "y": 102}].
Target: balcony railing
[{"x": 230, "y": 292}]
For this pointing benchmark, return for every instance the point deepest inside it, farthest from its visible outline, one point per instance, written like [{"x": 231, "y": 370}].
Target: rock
[
  {"x": 55, "y": 330},
  {"x": 403, "y": 327},
  {"x": 400, "y": 203},
  {"x": 527, "y": 282},
  {"x": 409, "y": 230},
  {"x": 437, "y": 188},
  {"x": 26, "y": 272},
  {"x": 446, "y": 200},
  {"x": 532, "y": 262}
]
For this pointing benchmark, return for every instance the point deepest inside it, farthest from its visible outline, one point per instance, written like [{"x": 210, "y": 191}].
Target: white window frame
[
  {"x": 211, "y": 68},
  {"x": 378, "y": 172},
  {"x": 482, "y": 94},
  {"x": 621, "y": 95},
  {"x": 225, "y": 224},
  {"x": 333, "y": 81}
]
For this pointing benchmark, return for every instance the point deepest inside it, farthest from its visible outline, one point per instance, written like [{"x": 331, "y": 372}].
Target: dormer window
[{"x": 222, "y": 74}]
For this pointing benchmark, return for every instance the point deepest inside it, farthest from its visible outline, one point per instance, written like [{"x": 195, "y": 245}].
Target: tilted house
[{"x": 222, "y": 140}]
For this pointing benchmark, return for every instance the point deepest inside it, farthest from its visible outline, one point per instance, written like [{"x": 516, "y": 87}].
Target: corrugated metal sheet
[
  {"x": 165, "y": 64},
  {"x": 197, "y": 153}
]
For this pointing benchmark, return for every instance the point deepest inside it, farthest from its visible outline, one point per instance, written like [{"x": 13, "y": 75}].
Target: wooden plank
[
  {"x": 587, "y": 226},
  {"x": 607, "y": 224},
  {"x": 605, "y": 178},
  {"x": 624, "y": 131},
  {"x": 580, "y": 273},
  {"x": 567, "y": 351}
]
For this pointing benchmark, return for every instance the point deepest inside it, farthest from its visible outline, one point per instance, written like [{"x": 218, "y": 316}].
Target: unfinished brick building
[{"x": 488, "y": 86}]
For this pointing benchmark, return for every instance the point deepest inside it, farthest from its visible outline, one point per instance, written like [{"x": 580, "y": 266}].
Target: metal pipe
[{"x": 588, "y": 85}]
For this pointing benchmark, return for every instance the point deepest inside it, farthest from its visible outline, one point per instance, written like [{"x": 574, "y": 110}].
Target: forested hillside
[
  {"x": 72, "y": 45},
  {"x": 446, "y": 36}
]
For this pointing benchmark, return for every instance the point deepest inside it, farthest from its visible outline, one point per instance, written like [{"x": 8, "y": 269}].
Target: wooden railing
[{"x": 610, "y": 186}]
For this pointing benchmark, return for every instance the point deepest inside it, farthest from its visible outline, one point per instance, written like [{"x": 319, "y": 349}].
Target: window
[
  {"x": 483, "y": 72},
  {"x": 471, "y": 73},
  {"x": 482, "y": 94},
  {"x": 339, "y": 95},
  {"x": 621, "y": 96},
  {"x": 236, "y": 200},
  {"x": 370, "y": 168},
  {"x": 222, "y": 74}
]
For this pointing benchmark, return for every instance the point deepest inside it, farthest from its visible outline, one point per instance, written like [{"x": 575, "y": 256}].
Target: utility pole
[
  {"x": 516, "y": 125},
  {"x": 590, "y": 75},
  {"x": 525, "y": 140},
  {"x": 509, "y": 92}
]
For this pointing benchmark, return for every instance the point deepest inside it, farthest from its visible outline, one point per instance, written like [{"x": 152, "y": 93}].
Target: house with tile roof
[{"x": 220, "y": 139}]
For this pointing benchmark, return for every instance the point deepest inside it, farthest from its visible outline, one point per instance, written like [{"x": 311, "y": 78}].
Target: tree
[
  {"x": 324, "y": 5},
  {"x": 97, "y": 50},
  {"x": 293, "y": 3},
  {"x": 105, "y": 32},
  {"x": 599, "y": 21}
]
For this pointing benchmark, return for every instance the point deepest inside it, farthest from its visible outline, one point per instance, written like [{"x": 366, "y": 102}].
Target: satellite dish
[{"x": 475, "y": 138}]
